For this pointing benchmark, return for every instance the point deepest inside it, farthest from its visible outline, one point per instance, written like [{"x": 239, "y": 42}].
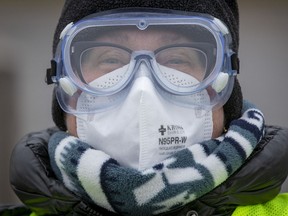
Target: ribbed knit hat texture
[{"x": 225, "y": 10}]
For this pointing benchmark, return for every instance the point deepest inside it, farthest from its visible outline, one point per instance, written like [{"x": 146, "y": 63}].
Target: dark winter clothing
[{"x": 258, "y": 181}]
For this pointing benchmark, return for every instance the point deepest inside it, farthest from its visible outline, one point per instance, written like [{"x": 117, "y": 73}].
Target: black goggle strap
[
  {"x": 51, "y": 73},
  {"x": 235, "y": 63}
]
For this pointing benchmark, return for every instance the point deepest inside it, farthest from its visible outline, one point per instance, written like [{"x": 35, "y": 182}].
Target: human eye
[
  {"x": 112, "y": 61},
  {"x": 104, "y": 60},
  {"x": 184, "y": 59},
  {"x": 175, "y": 60}
]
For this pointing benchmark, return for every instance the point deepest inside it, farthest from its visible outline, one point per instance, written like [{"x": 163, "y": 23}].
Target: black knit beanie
[{"x": 225, "y": 10}]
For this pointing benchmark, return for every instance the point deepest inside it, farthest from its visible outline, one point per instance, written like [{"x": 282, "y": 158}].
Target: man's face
[{"x": 108, "y": 59}]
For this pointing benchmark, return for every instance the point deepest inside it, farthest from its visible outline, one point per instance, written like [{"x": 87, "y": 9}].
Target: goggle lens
[{"x": 186, "y": 55}]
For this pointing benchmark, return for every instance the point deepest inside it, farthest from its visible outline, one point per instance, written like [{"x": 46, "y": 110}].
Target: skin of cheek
[{"x": 218, "y": 123}]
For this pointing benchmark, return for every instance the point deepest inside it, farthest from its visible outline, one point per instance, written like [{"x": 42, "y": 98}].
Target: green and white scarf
[{"x": 180, "y": 179}]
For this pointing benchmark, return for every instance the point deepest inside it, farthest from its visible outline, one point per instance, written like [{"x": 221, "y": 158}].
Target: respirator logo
[{"x": 172, "y": 135}]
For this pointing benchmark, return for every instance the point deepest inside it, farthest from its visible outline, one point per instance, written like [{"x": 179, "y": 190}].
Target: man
[{"x": 151, "y": 117}]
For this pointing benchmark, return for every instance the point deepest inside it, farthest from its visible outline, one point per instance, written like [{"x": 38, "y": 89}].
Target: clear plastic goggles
[{"x": 98, "y": 58}]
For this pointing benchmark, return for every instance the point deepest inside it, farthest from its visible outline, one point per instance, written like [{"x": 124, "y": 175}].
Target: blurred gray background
[{"x": 26, "y": 32}]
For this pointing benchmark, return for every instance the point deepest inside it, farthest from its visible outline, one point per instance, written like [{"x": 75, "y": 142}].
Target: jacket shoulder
[
  {"x": 262, "y": 175},
  {"x": 30, "y": 152},
  {"x": 277, "y": 207},
  {"x": 32, "y": 178}
]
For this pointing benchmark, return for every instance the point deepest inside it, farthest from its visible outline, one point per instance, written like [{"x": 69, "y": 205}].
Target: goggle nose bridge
[{"x": 143, "y": 57}]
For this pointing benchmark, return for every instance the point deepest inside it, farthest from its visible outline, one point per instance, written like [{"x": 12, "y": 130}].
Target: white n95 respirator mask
[{"x": 146, "y": 127}]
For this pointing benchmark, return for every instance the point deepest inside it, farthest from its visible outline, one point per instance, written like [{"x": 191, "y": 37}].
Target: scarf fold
[{"x": 180, "y": 179}]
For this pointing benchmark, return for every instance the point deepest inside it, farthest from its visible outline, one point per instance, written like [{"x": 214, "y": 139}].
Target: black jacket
[{"x": 257, "y": 181}]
